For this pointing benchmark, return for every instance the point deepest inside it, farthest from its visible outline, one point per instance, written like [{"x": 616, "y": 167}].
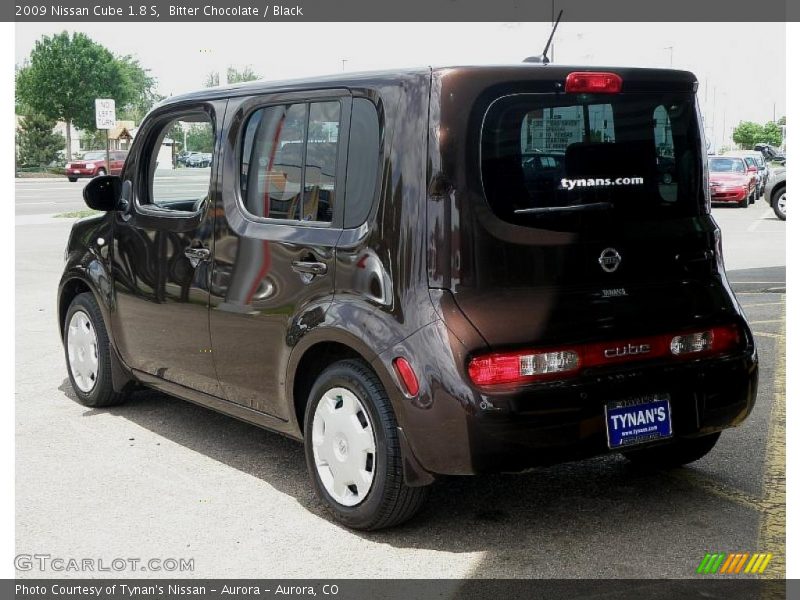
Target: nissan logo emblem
[{"x": 609, "y": 260}]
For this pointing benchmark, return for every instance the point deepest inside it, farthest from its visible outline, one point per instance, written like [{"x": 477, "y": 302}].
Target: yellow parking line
[
  {"x": 772, "y": 533},
  {"x": 762, "y": 304},
  {"x": 775, "y": 336},
  {"x": 712, "y": 486}
]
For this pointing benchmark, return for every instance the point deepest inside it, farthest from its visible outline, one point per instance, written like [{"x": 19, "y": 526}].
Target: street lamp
[{"x": 670, "y": 48}]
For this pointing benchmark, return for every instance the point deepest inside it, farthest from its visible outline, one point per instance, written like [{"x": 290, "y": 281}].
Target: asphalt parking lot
[{"x": 162, "y": 478}]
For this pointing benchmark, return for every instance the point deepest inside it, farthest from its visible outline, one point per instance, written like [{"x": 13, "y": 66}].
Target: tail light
[
  {"x": 527, "y": 366},
  {"x": 717, "y": 340},
  {"x": 593, "y": 83},
  {"x": 515, "y": 367}
]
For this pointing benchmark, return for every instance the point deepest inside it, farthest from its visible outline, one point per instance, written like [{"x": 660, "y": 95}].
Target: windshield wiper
[{"x": 569, "y": 208}]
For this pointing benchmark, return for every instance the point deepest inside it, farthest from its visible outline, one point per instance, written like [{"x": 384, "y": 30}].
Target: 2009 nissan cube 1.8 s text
[{"x": 419, "y": 273}]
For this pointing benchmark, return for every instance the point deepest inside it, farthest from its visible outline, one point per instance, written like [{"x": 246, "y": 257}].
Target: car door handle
[
  {"x": 196, "y": 255},
  {"x": 310, "y": 267}
]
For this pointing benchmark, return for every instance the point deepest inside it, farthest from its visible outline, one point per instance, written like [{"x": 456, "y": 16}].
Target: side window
[
  {"x": 362, "y": 162},
  {"x": 180, "y": 163},
  {"x": 665, "y": 154},
  {"x": 288, "y": 168}
]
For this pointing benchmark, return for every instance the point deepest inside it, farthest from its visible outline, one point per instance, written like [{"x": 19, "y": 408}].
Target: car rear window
[
  {"x": 544, "y": 154},
  {"x": 726, "y": 165}
]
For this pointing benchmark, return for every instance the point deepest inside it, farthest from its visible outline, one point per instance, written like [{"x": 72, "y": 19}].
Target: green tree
[
  {"x": 200, "y": 138},
  {"x": 782, "y": 120},
  {"x": 234, "y": 76},
  {"x": 771, "y": 134},
  {"x": 141, "y": 86},
  {"x": 37, "y": 144},
  {"x": 747, "y": 133},
  {"x": 65, "y": 74},
  {"x": 93, "y": 140}
]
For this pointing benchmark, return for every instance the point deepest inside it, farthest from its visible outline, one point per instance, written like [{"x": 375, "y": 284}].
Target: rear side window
[
  {"x": 288, "y": 168},
  {"x": 542, "y": 155},
  {"x": 362, "y": 162}
]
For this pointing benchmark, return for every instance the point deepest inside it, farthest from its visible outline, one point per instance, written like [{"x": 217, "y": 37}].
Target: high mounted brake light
[
  {"x": 585, "y": 82},
  {"x": 527, "y": 366}
]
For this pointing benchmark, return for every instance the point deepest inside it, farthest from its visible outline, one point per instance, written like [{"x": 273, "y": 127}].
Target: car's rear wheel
[
  {"x": 678, "y": 452},
  {"x": 779, "y": 204},
  {"x": 353, "y": 451},
  {"x": 72, "y": 179},
  {"x": 88, "y": 353}
]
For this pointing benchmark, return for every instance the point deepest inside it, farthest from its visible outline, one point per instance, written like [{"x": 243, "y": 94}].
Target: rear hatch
[{"x": 591, "y": 220}]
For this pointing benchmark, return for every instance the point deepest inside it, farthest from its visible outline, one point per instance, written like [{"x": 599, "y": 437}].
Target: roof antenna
[{"x": 543, "y": 58}]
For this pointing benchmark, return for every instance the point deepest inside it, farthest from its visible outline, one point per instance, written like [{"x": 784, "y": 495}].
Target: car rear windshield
[
  {"x": 726, "y": 165},
  {"x": 542, "y": 155}
]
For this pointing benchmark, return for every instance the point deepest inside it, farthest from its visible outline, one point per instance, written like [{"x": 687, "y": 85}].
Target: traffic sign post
[{"x": 105, "y": 117}]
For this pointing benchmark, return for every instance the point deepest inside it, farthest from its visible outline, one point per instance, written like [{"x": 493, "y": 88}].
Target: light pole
[{"x": 670, "y": 48}]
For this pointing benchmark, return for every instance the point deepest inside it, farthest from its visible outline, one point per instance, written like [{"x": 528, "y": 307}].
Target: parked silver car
[{"x": 775, "y": 192}]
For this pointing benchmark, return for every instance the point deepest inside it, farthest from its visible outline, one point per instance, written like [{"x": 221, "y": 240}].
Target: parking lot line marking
[
  {"x": 762, "y": 304},
  {"x": 754, "y": 225},
  {"x": 707, "y": 484},
  {"x": 771, "y": 506},
  {"x": 765, "y": 322},
  {"x": 772, "y": 533},
  {"x": 776, "y": 336}
]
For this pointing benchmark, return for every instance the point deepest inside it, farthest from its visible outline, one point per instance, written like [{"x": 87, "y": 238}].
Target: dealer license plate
[{"x": 637, "y": 420}]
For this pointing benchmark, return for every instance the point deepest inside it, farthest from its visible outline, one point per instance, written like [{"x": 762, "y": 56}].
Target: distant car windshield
[
  {"x": 726, "y": 165},
  {"x": 544, "y": 155},
  {"x": 94, "y": 156}
]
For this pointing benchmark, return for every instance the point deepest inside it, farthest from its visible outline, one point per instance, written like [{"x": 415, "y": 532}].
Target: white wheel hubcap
[
  {"x": 344, "y": 446},
  {"x": 782, "y": 203},
  {"x": 82, "y": 351}
]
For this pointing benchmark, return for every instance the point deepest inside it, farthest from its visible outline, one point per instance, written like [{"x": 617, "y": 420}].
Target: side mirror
[{"x": 103, "y": 193}]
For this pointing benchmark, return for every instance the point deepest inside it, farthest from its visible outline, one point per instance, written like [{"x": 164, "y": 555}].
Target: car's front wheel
[
  {"x": 779, "y": 204},
  {"x": 88, "y": 354},
  {"x": 353, "y": 451},
  {"x": 676, "y": 453},
  {"x": 72, "y": 179}
]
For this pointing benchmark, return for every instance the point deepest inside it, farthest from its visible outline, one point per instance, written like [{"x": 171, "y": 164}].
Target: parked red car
[
  {"x": 94, "y": 163},
  {"x": 730, "y": 180}
]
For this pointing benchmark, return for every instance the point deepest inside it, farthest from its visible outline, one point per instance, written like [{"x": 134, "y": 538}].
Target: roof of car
[{"x": 368, "y": 78}]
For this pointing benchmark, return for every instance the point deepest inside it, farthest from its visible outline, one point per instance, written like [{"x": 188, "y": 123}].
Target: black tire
[
  {"x": 776, "y": 198},
  {"x": 680, "y": 451},
  {"x": 744, "y": 203},
  {"x": 102, "y": 393},
  {"x": 389, "y": 501},
  {"x": 72, "y": 179}
]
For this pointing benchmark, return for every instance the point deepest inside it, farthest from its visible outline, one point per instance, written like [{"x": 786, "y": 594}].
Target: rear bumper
[
  {"x": 729, "y": 196},
  {"x": 79, "y": 173},
  {"x": 569, "y": 424},
  {"x": 454, "y": 429}
]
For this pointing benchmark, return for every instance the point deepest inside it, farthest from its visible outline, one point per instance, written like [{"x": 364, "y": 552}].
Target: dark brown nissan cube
[{"x": 420, "y": 273}]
